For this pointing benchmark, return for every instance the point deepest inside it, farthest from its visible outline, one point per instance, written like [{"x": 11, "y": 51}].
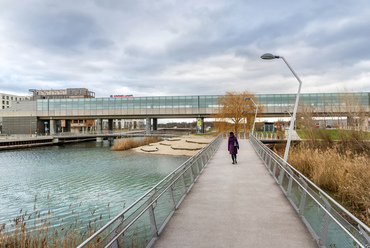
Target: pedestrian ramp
[{"x": 235, "y": 205}]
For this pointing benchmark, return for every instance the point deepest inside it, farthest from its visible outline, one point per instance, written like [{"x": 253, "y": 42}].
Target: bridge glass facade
[
  {"x": 315, "y": 99},
  {"x": 173, "y": 102}
]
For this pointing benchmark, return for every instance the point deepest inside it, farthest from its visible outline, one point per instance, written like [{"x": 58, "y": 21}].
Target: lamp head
[
  {"x": 246, "y": 98},
  {"x": 269, "y": 56}
]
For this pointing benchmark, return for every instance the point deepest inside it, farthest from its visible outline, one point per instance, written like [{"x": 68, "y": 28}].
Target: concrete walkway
[{"x": 235, "y": 206}]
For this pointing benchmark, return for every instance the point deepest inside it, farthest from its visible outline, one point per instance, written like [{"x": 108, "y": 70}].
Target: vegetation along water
[{"x": 81, "y": 185}]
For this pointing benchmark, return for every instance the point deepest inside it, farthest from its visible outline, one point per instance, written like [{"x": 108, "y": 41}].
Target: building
[
  {"x": 62, "y": 94},
  {"x": 50, "y": 114},
  {"x": 7, "y": 99}
]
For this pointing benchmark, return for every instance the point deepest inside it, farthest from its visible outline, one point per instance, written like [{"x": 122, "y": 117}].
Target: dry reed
[
  {"x": 346, "y": 174},
  {"x": 44, "y": 229},
  {"x": 126, "y": 144}
]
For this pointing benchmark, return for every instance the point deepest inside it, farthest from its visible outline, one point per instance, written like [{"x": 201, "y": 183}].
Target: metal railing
[
  {"x": 328, "y": 222},
  {"x": 140, "y": 224}
]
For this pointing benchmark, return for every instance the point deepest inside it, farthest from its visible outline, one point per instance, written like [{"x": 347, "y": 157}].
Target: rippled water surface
[{"x": 83, "y": 178}]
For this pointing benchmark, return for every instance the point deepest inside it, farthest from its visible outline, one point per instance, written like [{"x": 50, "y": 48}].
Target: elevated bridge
[{"x": 26, "y": 116}]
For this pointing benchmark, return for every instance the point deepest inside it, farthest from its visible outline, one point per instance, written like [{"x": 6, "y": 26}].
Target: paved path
[{"x": 235, "y": 206}]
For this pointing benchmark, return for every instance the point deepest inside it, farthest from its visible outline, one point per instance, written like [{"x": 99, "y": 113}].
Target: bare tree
[{"x": 236, "y": 113}]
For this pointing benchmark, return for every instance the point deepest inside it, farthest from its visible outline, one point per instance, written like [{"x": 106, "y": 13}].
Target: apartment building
[
  {"x": 62, "y": 93},
  {"x": 7, "y": 99}
]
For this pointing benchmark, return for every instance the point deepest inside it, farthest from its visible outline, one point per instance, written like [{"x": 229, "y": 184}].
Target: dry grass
[
  {"x": 44, "y": 229},
  {"x": 126, "y": 144},
  {"x": 347, "y": 174}
]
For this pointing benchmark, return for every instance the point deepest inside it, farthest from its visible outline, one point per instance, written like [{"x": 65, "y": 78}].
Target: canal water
[{"x": 83, "y": 180}]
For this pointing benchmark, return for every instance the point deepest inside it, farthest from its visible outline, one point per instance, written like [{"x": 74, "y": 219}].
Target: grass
[
  {"x": 45, "y": 229},
  {"x": 126, "y": 144},
  {"x": 334, "y": 134},
  {"x": 341, "y": 167}
]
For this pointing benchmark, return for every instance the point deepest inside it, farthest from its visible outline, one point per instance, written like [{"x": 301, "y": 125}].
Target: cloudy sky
[{"x": 192, "y": 47}]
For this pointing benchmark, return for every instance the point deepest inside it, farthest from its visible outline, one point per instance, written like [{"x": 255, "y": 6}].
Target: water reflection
[{"x": 84, "y": 177}]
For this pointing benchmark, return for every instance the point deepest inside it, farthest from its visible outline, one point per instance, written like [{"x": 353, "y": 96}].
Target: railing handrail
[
  {"x": 153, "y": 189},
  {"x": 290, "y": 170},
  {"x": 319, "y": 189}
]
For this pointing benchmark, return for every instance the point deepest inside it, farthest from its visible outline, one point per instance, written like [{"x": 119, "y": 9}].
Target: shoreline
[{"x": 179, "y": 146}]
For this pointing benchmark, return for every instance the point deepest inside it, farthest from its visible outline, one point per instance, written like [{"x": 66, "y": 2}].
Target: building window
[
  {"x": 11, "y": 98},
  {"x": 7, "y": 102}
]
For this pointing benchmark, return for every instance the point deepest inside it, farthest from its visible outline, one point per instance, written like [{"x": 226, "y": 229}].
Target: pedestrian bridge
[
  {"x": 57, "y": 114},
  {"x": 271, "y": 105},
  {"x": 259, "y": 202}
]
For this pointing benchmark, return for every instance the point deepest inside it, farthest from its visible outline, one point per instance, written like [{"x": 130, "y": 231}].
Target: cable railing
[
  {"x": 329, "y": 223},
  {"x": 140, "y": 224}
]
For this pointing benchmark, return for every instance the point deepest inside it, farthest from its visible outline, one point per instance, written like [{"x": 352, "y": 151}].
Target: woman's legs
[{"x": 233, "y": 156}]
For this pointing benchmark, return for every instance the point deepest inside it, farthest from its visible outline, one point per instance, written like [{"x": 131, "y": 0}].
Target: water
[{"x": 83, "y": 178}]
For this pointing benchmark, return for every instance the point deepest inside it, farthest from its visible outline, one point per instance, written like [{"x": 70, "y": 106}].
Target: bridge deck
[{"x": 235, "y": 206}]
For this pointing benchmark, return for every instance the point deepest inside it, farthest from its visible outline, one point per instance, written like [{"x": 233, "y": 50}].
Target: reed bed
[
  {"x": 129, "y": 143},
  {"x": 45, "y": 229},
  {"x": 347, "y": 174}
]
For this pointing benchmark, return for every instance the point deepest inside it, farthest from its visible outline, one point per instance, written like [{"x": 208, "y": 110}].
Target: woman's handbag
[{"x": 236, "y": 144}]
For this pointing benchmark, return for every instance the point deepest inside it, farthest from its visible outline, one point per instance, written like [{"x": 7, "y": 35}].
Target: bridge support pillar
[
  {"x": 52, "y": 127},
  {"x": 200, "y": 125},
  {"x": 110, "y": 125},
  {"x": 99, "y": 126},
  {"x": 148, "y": 125},
  {"x": 155, "y": 124},
  {"x": 99, "y": 139}
]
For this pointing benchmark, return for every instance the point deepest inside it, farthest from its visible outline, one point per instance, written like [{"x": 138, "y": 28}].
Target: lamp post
[
  {"x": 271, "y": 56},
  {"x": 255, "y": 116},
  {"x": 286, "y": 111}
]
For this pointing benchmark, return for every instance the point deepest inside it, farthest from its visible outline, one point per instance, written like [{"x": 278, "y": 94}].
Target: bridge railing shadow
[{"x": 328, "y": 222}]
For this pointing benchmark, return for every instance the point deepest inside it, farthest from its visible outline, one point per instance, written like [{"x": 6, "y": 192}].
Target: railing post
[
  {"x": 183, "y": 184},
  {"x": 282, "y": 172},
  {"x": 325, "y": 223},
  {"x": 191, "y": 172},
  {"x": 303, "y": 197},
  {"x": 270, "y": 162},
  {"x": 274, "y": 170},
  {"x": 289, "y": 191},
  {"x": 116, "y": 244},
  {"x": 365, "y": 235},
  {"x": 153, "y": 224},
  {"x": 197, "y": 165},
  {"x": 170, "y": 191}
]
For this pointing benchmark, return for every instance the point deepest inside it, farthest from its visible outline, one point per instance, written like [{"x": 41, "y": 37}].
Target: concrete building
[
  {"x": 7, "y": 99},
  {"x": 62, "y": 94}
]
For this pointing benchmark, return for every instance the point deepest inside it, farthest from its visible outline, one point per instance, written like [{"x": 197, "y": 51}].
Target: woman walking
[{"x": 233, "y": 146}]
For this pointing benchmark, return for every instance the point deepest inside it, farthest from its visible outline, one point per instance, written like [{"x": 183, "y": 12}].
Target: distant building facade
[
  {"x": 7, "y": 99},
  {"x": 62, "y": 94}
]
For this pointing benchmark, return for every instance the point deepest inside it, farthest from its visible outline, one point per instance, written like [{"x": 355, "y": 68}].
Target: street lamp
[
  {"x": 255, "y": 116},
  {"x": 271, "y": 56},
  {"x": 286, "y": 111}
]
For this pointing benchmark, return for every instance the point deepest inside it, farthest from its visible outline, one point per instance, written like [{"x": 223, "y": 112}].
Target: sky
[{"x": 177, "y": 48}]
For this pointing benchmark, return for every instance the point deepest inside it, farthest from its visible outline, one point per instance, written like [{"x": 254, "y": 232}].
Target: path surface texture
[{"x": 235, "y": 205}]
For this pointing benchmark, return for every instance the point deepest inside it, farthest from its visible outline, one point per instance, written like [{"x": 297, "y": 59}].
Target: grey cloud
[{"x": 153, "y": 46}]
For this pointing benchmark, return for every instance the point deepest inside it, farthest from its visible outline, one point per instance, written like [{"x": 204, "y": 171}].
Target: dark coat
[{"x": 230, "y": 146}]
